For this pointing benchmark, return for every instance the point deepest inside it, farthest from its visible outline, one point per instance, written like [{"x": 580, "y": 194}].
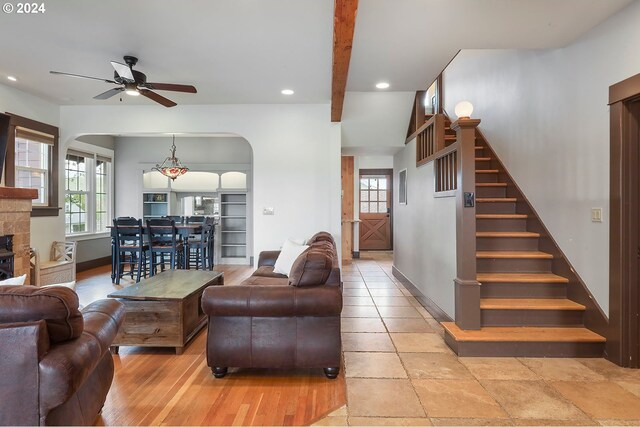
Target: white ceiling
[
  {"x": 246, "y": 51},
  {"x": 408, "y": 42},
  {"x": 375, "y": 123},
  {"x": 233, "y": 51}
]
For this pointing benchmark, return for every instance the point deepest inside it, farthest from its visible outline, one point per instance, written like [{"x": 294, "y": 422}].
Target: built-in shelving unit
[
  {"x": 155, "y": 205},
  {"x": 233, "y": 227}
]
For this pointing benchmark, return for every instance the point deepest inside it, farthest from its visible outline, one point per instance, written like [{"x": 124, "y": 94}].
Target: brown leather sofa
[
  {"x": 274, "y": 321},
  {"x": 55, "y": 364}
]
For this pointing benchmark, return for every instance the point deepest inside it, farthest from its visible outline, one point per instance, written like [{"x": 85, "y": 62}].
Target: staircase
[{"x": 525, "y": 310}]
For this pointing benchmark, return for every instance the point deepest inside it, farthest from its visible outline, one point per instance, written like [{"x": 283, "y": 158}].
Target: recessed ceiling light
[
  {"x": 287, "y": 92},
  {"x": 13, "y": 79},
  {"x": 382, "y": 85}
]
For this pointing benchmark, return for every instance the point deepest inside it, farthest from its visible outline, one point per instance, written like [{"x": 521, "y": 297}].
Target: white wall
[
  {"x": 104, "y": 141},
  {"x": 296, "y": 155},
  {"x": 374, "y": 162},
  {"x": 44, "y": 230},
  {"x": 376, "y": 119},
  {"x": 132, "y": 153},
  {"x": 424, "y": 239},
  {"x": 545, "y": 112}
]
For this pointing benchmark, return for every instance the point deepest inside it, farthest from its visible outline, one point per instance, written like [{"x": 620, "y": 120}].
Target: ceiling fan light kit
[
  {"x": 131, "y": 89},
  {"x": 171, "y": 167},
  {"x": 134, "y": 83}
]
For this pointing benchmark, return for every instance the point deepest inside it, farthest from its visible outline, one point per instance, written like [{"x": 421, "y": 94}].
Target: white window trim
[
  {"x": 96, "y": 151},
  {"x": 46, "y": 172}
]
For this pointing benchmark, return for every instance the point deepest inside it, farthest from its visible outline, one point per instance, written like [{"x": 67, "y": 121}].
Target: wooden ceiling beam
[{"x": 344, "y": 23}]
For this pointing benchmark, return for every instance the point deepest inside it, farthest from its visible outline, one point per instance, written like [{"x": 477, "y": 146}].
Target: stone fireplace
[{"x": 15, "y": 221}]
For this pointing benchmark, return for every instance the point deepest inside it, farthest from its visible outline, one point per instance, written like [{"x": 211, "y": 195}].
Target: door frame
[
  {"x": 623, "y": 340},
  {"x": 388, "y": 172}
]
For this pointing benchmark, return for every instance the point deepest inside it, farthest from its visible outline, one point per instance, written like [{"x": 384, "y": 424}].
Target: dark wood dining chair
[
  {"x": 163, "y": 240},
  {"x": 130, "y": 248},
  {"x": 195, "y": 219},
  {"x": 199, "y": 247}
]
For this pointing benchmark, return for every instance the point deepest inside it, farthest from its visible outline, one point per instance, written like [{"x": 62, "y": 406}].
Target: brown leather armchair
[
  {"x": 275, "y": 321},
  {"x": 55, "y": 364}
]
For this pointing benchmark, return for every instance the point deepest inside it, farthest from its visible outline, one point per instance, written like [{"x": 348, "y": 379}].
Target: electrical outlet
[
  {"x": 596, "y": 214},
  {"x": 268, "y": 211}
]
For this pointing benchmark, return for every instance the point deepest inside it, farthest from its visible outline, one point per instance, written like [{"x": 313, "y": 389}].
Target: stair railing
[
  {"x": 430, "y": 139},
  {"x": 467, "y": 287}
]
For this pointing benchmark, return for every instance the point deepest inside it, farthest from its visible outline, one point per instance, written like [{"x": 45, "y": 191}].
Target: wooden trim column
[
  {"x": 467, "y": 288},
  {"x": 623, "y": 338},
  {"x": 347, "y": 174}
]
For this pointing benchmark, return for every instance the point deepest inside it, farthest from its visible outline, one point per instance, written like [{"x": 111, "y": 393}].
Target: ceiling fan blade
[
  {"x": 123, "y": 70},
  {"x": 60, "y": 73},
  {"x": 108, "y": 94},
  {"x": 158, "y": 98},
  {"x": 173, "y": 87}
]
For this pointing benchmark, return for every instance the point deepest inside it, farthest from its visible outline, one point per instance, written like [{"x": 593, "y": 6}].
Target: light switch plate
[
  {"x": 268, "y": 211},
  {"x": 596, "y": 214}
]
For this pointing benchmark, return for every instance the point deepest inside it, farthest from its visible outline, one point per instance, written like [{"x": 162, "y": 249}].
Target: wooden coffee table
[{"x": 164, "y": 310}]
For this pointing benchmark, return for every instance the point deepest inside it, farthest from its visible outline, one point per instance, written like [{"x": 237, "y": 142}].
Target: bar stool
[
  {"x": 201, "y": 246},
  {"x": 130, "y": 248},
  {"x": 163, "y": 240}
]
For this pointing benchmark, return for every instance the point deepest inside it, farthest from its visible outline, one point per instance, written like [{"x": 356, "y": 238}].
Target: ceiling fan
[{"x": 134, "y": 83}]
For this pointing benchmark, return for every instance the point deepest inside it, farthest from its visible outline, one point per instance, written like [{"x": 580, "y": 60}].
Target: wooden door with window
[{"x": 375, "y": 209}]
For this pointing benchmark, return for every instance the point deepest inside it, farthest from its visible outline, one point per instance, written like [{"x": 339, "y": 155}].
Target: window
[
  {"x": 32, "y": 165},
  {"x": 33, "y": 152},
  {"x": 431, "y": 98},
  {"x": 373, "y": 194},
  {"x": 87, "y": 202}
]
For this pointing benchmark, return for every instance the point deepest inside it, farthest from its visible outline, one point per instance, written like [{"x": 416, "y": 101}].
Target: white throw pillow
[
  {"x": 298, "y": 240},
  {"x": 14, "y": 280},
  {"x": 288, "y": 254},
  {"x": 70, "y": 285}
]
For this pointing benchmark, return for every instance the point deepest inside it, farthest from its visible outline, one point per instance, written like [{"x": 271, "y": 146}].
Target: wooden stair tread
[
  {"x": 487, "y": 171},
  {"x": 520, "y": 278},
  {"x": 514, "y": 254},
  {"x": 496, "y": 199},
  {"x": 523, "y": 334},
  {"x": 502, "y": 216},
  {"x": 529, "y": 304},
  {"x": 491, "y": 184},
  {"x": 514, "y": 234},
  {"x": 479, "y": 148},
  {"x": 483, "y": 159}
]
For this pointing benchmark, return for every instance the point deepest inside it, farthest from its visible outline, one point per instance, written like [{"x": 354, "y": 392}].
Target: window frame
[
  {"x": 93, "y": 154},
  {"x": 377, "y": 191},
  {"x": 51, "y": 208},
  {"x": 89, "y": 185},
  {"x": 44, "y": 172}
]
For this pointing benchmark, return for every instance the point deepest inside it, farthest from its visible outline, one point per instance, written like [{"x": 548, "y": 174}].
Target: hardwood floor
[{"x": 157, "y": 387}]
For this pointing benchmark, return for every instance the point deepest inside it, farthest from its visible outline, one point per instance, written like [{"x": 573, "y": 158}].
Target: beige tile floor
[{"x": 400, "y": 372}]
